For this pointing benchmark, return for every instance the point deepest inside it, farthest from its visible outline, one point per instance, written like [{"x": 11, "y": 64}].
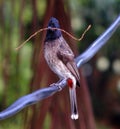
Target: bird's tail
[{"x": 73, "y": 102}]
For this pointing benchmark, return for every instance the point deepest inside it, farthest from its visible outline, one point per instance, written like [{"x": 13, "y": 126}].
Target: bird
[{"x": 60, "y": 59}]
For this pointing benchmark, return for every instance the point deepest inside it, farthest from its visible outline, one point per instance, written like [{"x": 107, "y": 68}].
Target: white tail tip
[{"x": 74, "y": 116}]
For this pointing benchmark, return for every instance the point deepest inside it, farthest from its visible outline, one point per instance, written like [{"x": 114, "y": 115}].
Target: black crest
[{"x": 53, "y": 34}]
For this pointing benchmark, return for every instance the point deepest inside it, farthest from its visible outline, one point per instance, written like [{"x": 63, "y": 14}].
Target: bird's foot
[{"x": 57, "y": 85}]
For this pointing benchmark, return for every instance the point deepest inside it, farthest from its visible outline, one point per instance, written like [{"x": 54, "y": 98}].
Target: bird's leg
[{"x": 57, "y": 85}]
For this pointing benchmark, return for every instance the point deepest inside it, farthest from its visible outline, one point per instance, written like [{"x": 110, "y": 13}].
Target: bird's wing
[{"x": 66, "y": 55}]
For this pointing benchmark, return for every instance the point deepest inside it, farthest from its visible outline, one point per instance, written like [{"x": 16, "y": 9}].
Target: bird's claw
[{"x": 57, "y": 85}]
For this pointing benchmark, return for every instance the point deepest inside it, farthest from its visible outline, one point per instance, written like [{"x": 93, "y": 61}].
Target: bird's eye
[{"x": 53, "y": 25}]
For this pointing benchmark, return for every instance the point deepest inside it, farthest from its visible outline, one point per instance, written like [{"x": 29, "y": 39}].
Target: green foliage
[
  {"x": 15, "y": 66},
  {"x": 47, "y": 122}
]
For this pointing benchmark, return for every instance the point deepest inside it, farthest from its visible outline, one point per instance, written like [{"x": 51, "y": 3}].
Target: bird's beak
[{"x": 50, "y": 28}]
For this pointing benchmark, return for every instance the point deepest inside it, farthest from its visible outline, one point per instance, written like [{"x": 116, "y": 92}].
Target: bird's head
[{"x": 53, "y": 34}]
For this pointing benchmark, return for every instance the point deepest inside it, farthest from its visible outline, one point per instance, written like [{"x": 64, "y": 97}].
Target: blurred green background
[{"x": 102, "y": 72}]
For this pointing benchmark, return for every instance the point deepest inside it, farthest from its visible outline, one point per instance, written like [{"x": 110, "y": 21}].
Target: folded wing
[{"x": 66, "y": 55}]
